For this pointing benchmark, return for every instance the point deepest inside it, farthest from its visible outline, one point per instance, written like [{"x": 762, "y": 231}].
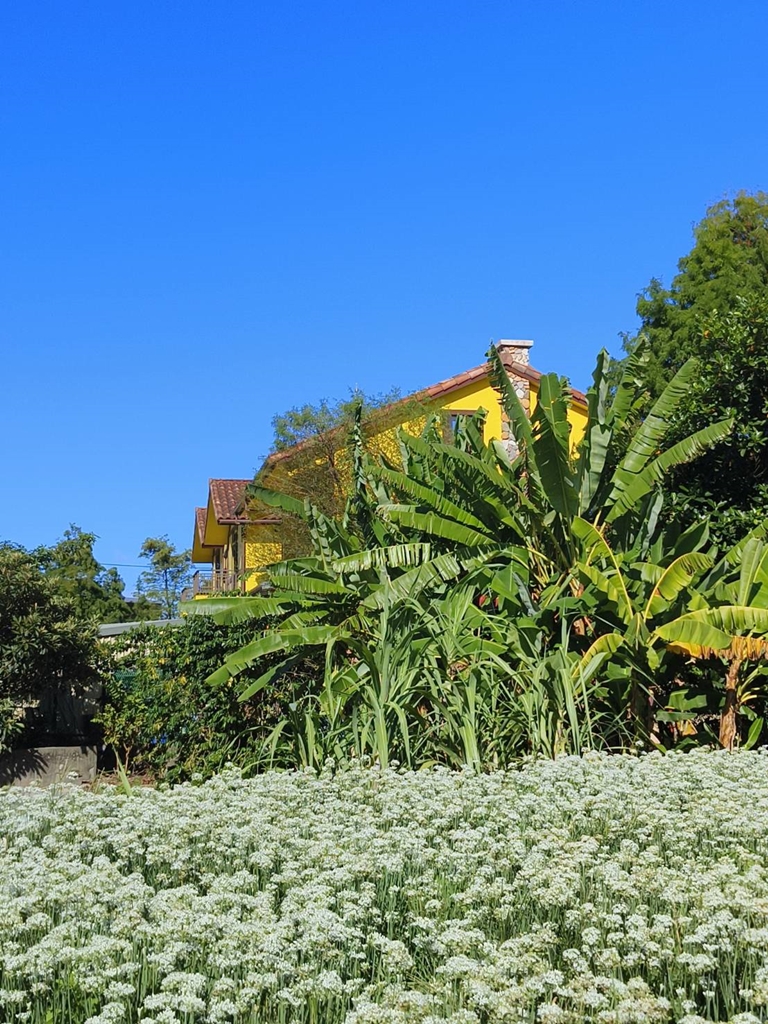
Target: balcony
[{"x": 207, "y": 582}]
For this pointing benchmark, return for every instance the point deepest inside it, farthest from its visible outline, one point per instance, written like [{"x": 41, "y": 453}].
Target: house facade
[
  {"x": 229, "y": 543},
  {"x": 235, "y": 546}
]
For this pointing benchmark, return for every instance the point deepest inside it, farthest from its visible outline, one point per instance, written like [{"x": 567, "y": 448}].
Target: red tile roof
[
  {"x": 229, "y": 504},
  {"x": 226, "y": 496},
  {"x": 201, "y": 515},
  {"x": 460, "y": 380}
]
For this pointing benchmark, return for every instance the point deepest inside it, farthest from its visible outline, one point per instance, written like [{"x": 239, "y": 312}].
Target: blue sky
[{"x": 210, "y": 213}]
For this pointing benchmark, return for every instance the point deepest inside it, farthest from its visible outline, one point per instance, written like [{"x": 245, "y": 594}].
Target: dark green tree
[
  {"x": 44, "y": 643},
  {"x": 729, "y": 260},
  {"x": 161, "y": 716},
  {"x": 93, "y": 591},
  {"x": 727, "y": 485},
  {"x": 168, "y": 574}
]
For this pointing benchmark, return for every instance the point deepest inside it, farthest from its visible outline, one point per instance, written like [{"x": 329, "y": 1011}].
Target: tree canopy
[
  {"x": 44, "y": 642},
  {"x": 166, "y": 577},
  {"x": 306, "y": 422},
  {"x": 92, "y": 590},
  {"x": 728, "y": 261},
  {"x": 728, "y": 485}
]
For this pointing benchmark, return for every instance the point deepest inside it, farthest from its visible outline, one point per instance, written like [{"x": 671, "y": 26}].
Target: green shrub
[{"x": 161, "y": 717}]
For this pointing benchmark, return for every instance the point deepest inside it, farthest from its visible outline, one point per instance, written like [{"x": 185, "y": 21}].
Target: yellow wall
[
  {"x": 199, "y": 553},
  {"x": 262, "y": 546},
  {"x": 216, "y": 535},
  {"x": 479, "y": 395},
  {"x": 577, "y": 417}
]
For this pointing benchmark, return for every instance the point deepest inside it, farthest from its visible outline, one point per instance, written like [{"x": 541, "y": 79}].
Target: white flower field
[{"x": 606, "y": 889}]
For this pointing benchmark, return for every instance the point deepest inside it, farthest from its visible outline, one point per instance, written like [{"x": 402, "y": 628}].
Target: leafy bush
[
  {"x": 11, "y": 723},
  {"x": 161, "y": 716},
  {"x": 728, "y": 485}
]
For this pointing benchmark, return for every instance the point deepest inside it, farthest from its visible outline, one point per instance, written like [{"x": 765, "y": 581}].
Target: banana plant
[
  {"x": 740, "y": 580},
  {"x": 598, "y": 482},
  {"x": 467, "y": 499},
  {"x": 690, "y": 605}
]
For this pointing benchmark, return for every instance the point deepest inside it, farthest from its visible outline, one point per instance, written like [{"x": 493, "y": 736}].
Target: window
[{"x": 450, "y": 418}]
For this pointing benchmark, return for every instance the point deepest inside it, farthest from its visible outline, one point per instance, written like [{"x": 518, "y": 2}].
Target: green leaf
[
  {"x": 426, "y": 496},
  {"x": 630, "y": 488},
  {"x": 246, "y": 656},
  {"x": 310, "y": 585},
  {"x": 435, "y": 525},
  {"x": 271, "y": 643},
  {"x": 513, "y": 407},
  {"x": 276, "y": 500},
  {"x": 594, "y": 543},
  {"x": 674, "y": 579},
  {"x": 602, "y": 648},
  {"x": 593, "y": 450},
  {"x": 551, "y": 444},
  {"x": 680, "y": 701},
  {"x": 734, "y": 555},
  {"x": 264, "y": 680},
  {"x": 627, "y": 391},
  {"x": 646, "y": 442},
  {"x": 752, "y": 561},
  {"x": 616, "y": 595},
  {"x": 229, "y": 610},
  {"x": 396, "y": 556},
  {"x": 713, "y": 628},
  {"x": 485, "y": 482},
  {"x": 441, "y": 569},
  {"x": 754, "y": 734}
]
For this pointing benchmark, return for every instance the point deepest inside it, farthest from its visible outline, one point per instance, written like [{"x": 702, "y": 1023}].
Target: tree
[
  {"x": 729, "y": 260},
  {"x": 93, "y": 591},
  {"x": 44, "y": 643},
  {"x": 299, "y": 425},
  {"x": 168, "y": 574},
  {"x": 315, "y": 441},
  {"x": 728, "y": 485}
]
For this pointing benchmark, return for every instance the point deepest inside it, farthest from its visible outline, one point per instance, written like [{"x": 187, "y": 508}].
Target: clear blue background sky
[{"x": 211, "y": 212}]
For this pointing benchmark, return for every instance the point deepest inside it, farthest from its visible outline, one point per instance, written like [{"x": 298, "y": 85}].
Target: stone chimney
[{"x": 517, "y": 349}]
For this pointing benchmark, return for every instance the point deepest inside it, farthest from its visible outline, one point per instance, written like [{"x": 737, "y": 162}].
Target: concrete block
[{"x": 45, "y": 766}]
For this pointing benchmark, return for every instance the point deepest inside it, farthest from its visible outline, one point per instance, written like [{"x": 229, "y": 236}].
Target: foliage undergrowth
[
  {"x": 161, "y": 717},
  {"x": 478, "y": 602}
]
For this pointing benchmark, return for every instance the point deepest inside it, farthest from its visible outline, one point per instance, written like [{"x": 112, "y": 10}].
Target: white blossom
[{"x": 605, "y": 890}]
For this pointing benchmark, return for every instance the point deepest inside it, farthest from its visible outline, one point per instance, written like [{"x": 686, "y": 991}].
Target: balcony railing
[{"x": 214, "y": 581}]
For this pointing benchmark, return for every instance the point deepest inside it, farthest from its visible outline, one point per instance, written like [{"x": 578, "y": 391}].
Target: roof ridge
[{"x": 442, "y": 387}]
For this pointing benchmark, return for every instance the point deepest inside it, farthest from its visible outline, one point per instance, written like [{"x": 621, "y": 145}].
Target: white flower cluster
[{"x": 613, "y": 890}]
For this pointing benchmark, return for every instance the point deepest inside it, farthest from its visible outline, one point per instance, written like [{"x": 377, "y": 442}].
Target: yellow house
[
  {"x": 238, "y": 546},
  {"x": 230, "y": 541}
]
